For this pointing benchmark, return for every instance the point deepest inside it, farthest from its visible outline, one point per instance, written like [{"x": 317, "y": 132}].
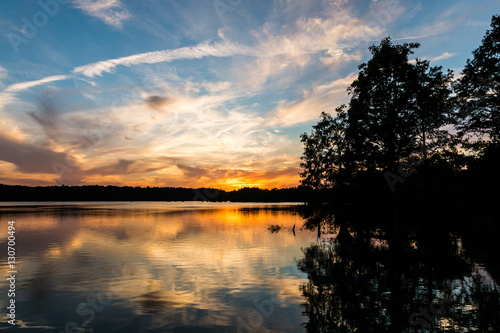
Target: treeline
[
  {"x": 128, "y": 193},
  {"x": 411, "y": 131}
]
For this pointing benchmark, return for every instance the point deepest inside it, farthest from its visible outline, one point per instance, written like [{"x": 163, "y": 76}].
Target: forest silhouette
[
  {"x": 411, "y": 136},
  {"x": 138, "y": 193},
  {"x": 407, "y": 177}
]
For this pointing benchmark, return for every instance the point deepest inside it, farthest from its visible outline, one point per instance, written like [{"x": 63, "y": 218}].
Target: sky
[{"x": 210, "y": 93}]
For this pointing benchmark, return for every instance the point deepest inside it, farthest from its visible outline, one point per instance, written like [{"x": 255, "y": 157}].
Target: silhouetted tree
[
  {"x": 325, "y": 152},
  {"x": 478, "y": 120},
  {"x": 397, "y": 107},
  {"x": 478, "y": 89},
  {"x": 397, "y": 110}
]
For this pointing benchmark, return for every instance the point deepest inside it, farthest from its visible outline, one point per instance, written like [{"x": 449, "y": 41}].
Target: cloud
[
  {"x": 235, "y": 178},
  {"x": 339, "y": 2},
  {"x": 215, "y": 87},
  {"x": 332, "y": 38},
  {"x": 47, "y": 117},
  {"x": 426, "y": 31},
  {"x": 192, "y": 172},
  {"x": 205, "y": 49},
  {"x": 284, "y": 51},
  {"x": 7, "y": 96},
  {"x": 336, "y": 56},
  {"x": 119, "y": 168},
  {"x": 3, "y": 73},
  {"x": 456, "y": 15},
  {"x": 158, "y": 102},
  {"x": 445, "y": 55},
  {"x": 26, "y": 85},
  {"x": 230, "y": 179},
  {"x": 195, "y": 144},
  {"x": 313, "y": 102},
  {"x": 111, "y": 12},
  {"x": 30, "y": 158}
]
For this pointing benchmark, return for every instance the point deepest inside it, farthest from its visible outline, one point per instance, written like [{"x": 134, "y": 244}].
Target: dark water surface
[{"x": 215, "y": 267}]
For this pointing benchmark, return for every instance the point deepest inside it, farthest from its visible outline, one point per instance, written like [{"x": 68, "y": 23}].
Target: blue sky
[{"x": 194, "y": 93}]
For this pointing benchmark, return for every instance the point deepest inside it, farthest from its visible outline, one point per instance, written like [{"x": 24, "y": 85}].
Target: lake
[
  {"x": 217, "y": 267},
  {"x": 155, "y": 267}
]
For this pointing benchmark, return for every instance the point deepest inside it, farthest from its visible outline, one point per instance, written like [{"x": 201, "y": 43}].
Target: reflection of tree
[
  {"x": 477, "y": 305},
  {"x": 333, "y": 297},
  {"x": 363, "y": 284},
  {"x": 317, "y": 218}
]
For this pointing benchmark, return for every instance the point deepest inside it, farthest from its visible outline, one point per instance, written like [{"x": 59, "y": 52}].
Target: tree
[
  {"x": 478, "y": 89},
  {"x": 434, "y": 109},
  {"x": 325, "y": 151},
  {"x": 397, "y": 110},
  {"x": 397, "y": 107}
]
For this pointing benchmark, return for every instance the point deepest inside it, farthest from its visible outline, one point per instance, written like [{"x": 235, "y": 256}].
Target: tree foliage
[
  {"x": 397, "y": 109},
  {"x": 396, "y": 106},
  {"x": 325, "y": 151},
  {"x": 478, "y": 89}
]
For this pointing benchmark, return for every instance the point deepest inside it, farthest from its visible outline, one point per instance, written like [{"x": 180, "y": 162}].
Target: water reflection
[
  {"x": 371, "y": 280},
  {"x": 156, "y": 267}
]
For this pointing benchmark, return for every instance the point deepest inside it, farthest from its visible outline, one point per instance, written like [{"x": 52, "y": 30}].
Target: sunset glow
[{"x": 193, "y": 94}]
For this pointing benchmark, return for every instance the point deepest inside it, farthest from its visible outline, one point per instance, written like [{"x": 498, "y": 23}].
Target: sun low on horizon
[{"x": 194, "y": 93}]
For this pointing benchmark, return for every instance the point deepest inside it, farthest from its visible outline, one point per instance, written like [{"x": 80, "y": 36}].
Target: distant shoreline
[{"x": 100, "y": 193}]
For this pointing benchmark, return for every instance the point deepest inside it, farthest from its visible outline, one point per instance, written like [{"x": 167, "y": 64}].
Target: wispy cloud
[
  {"x": 26, "y": 85},
  {"x": 120, "y": 167},
  {"x": 205, "y": 49},
  {"x": 426, "y": 31},
  {"x": 313, "y": 102},
  {"x": 111, "y": 12},
  {"x": 235, "y": 178},
  {"x": 331, "y": 39},
  {"x": 443, "y": 21},
  {"x": 7, "y": 96},
  {"x": 294, "y": 46},
  {"x": 445, "y": 55},
  {"x": 3, "y": 73},
  {"x": 284, "y": 51}
]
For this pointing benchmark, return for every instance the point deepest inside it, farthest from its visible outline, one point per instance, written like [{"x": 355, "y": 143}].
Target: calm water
[
  {"x": 215, "y": 267},
  {"x": 155, "y": 267}
]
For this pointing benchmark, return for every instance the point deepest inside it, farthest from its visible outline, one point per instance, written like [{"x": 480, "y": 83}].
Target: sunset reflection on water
[{"x": 132, "y": 267}]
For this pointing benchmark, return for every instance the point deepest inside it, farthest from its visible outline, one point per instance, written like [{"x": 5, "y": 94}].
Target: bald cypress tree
[
  {"x": 397, "y": 107},
  {"x": 478, "y": 90},
  {"x": 325, "y": 157},
  {"x": 397, "y": 110}
]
